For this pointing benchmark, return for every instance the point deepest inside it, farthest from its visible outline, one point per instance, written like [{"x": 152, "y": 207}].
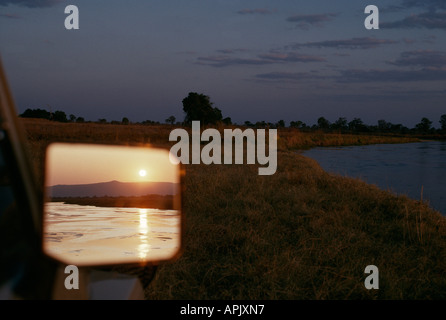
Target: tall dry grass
[{"x": 301, "y": 234}]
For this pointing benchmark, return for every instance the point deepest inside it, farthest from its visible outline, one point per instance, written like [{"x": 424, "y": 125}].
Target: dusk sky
[{"x": 256, "y": 59}]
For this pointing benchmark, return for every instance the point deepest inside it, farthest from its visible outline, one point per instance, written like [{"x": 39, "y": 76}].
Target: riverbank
[
  {"x": 294, "y": 139},
  {"x": 298, "y": 234},
  {"x": 154, "y": 201}
]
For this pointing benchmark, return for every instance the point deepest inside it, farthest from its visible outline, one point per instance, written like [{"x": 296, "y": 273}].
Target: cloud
[
  {"x": 429, "y": 4},
  {"x": 354, "y": 43},
  {"x": 339, "y": 54},
  {"x": 10, "y": 16},
  {"x": 31, "y": 3},
  {"x": 421, "y": 58},
  {"x": 291, "y": 57},
  {"x": 261, "y": 59},
  {"x": 425, "y": 74},
  {"x": 224, "y": 61},
  {"x": 408, "y": 41},
  {"x": 187, "y": 52},
  {"x": 255, "y": 11},
  {"x": 305, "y": 21},
  {"x": 287, "y": 76},
  {"x": 232, "y": 51},
  {"x": 428, "y": 20},
  {"x": 432, "y": 68}
]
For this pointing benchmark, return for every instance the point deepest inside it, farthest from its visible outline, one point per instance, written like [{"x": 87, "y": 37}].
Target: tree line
[
  {"x": 61, "y": 116},
  {"x": 197, "y": 106},
  {"x": 57, "y": 115},
  {"x": 425, "y": 126}
]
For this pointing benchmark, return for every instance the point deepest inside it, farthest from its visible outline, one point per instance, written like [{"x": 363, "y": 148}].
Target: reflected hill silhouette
[{"x": 113, "y": 189}]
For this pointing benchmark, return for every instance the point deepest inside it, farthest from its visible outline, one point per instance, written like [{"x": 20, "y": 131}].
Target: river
[{"x": 417, "y": 170}]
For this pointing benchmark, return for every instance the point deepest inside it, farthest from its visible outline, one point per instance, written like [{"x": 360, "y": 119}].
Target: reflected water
[
  {"x": 91, "y": 235},
  {"x": 415, "y": 169}
]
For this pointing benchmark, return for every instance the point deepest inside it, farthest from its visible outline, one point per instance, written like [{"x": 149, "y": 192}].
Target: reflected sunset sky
[{"x": 71, "y": 164}]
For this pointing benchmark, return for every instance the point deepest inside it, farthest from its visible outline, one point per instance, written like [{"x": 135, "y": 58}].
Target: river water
[
  {"x": 417, "y": 170},
  {"x": 92, "y": 235}
]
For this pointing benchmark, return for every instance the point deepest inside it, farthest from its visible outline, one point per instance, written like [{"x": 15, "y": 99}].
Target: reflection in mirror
[{"x": 111, "y": 204}]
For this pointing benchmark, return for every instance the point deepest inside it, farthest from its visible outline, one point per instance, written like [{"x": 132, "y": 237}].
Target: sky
[{"x": 257, "y": 60}]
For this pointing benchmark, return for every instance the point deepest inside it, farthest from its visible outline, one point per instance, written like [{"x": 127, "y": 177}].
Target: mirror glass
[{"x": 109, "y": 205}]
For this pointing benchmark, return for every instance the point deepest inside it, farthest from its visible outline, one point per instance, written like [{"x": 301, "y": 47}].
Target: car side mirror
[{"x": 107, "y": 205}]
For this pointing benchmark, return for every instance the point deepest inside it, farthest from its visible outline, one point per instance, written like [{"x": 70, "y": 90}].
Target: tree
[
  {"x": 60, "y": 116},
  {"x": 340, "y": 124},
  {"x": 384, "y": 126},
  {"x": 280, "y": 124},
  {"x": 399, "y": 128},
  {"x": 424, "y": 126},
  {"x": 261, "y": 124},
  {"x": 125, "y": 120},
  {"x": 72, "y": 118},
  {"x": 227, "y": 121},
  {"x": 170, "y": 120},
  {"x": 443, "y": 123},
  {"x": 297, "y": 124},
  {"x": 36, "y": 113},
  {"x": 323, "y": 123},
  {"x": 357, "y": 125},
  {"x": 199, "y": 107}
]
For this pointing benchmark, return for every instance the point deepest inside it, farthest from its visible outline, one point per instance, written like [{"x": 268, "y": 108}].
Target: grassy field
[{"x": 299, "y": 234}]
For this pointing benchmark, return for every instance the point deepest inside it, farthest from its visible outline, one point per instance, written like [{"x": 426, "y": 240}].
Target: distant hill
[{"x": 113, "y": 189}]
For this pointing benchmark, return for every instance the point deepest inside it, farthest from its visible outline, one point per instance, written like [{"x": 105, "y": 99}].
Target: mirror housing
[{"x": 111, "y": 204}]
